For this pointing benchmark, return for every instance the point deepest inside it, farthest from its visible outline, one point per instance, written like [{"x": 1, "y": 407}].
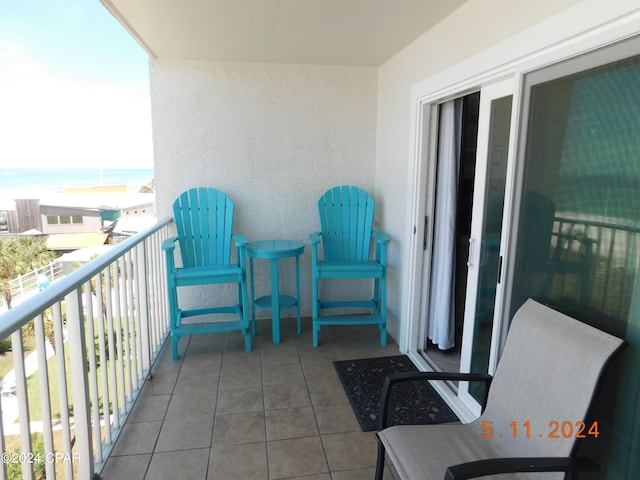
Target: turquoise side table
[{"x": 274, "y": 250}]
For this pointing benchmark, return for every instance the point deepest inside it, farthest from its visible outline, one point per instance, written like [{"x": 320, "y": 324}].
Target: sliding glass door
[
  {"x": 554, "y": 216},
  {"x": 473, "y": 141},
  {"x": 485, "y": 257},
  {"x": 578, "y": 234}
]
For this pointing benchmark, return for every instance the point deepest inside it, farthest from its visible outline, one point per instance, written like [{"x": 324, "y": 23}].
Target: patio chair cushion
[{"x": 547, "y": 373}]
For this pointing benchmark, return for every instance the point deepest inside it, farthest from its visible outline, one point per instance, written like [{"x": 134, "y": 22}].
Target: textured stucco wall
[{"x": 273, "y": 137}]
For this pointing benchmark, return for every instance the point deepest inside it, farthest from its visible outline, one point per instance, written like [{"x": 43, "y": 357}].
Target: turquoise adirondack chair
[
  {"x": 204, "y": 219},
  {"x": 346, "y": 221}
]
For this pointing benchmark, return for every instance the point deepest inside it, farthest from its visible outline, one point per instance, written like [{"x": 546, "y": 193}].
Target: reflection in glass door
[
  {"x": 485, "y": 260},
  {"x": 578, "y": 241}
]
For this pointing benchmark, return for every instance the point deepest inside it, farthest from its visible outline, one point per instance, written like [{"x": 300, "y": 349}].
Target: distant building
[
  {"x": 69, "y": 219},
  {"x": 80, "y": 218},
  {"x": 7, "y": 218}
]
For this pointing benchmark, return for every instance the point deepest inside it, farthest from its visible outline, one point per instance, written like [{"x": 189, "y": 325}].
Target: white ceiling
[{"x": 325, "y": 32}]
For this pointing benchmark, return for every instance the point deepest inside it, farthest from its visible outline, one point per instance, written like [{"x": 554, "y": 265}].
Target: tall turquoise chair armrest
[
  {"x": 168, "y": 246},
  {"x": 382, "y": 239},
  {"x": 169, "y": 243},
  {"x": 241, "y": 242},
  {"x": 314, "y": 238}
]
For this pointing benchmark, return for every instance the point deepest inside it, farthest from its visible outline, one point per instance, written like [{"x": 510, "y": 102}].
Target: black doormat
[{"x": 411, "y": 403}]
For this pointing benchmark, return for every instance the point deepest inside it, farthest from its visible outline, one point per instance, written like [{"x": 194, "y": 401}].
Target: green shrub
[
  {"x": 5, "y": 345},
  {"x": 14, "y": 468}
]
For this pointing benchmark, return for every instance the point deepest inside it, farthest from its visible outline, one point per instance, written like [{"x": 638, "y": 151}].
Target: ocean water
[{"x": 34, "y": 180}]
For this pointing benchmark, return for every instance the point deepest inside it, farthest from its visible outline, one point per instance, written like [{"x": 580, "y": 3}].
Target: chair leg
[
  {"x": 247, "y": 339},
  {"x": 253, "y": 320},
  {"x": 316, "y": 310},
  {"x": 174, "y": 314},
  {"x": 380, "y": 461},
  {"x": 314, "y": 298},
  {"x": 382, "y": 305},
  {"x": 250, "y": 324},
  {"x": 376, "y": 291},
  {"x": 174, "y": 346},
  {"x": 316, "y": 329},
  {"x": 252, "y": 299}
]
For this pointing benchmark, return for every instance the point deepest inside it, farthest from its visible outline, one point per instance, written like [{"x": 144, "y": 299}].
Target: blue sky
[{"x": 74, "y": 88}]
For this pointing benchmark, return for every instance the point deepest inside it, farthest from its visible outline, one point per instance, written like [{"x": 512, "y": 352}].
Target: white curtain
[{"x": 441, "y": 323}]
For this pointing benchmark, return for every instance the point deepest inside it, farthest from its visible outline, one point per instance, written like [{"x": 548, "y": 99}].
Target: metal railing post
[
  {"x": 143, "y": 304},
  {"x": 79, "y": 383},
  {"x": 45, "y": 394},
  {"x": 23, "y": 402}
]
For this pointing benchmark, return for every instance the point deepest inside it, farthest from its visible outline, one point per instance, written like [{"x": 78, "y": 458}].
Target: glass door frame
[
  {"x": 418, "y": 267},
  {"x": 503, "y": 61},
  {"x": 488, "y": 94},
  {"x": 426, "y": 142}
]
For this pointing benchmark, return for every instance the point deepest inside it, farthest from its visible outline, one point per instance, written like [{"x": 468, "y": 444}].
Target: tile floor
[{"x": 278, "y": 412}]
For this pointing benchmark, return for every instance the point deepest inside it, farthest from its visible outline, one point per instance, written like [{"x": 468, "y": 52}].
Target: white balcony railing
[
  {"x": 612, "y": 253},
  {"x": 82, "y": 349},
  {"x": 31, "y": 282}
]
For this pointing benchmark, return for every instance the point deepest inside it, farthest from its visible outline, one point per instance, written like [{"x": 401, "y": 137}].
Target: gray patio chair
[{"x": 544, "y": 382}]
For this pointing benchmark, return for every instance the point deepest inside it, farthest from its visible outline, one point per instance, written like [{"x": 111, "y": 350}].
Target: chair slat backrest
[
  {"x": 346, "y": 221},
  {"x": 548, "y": 372},
  {"x": 204, "y": 220}
]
